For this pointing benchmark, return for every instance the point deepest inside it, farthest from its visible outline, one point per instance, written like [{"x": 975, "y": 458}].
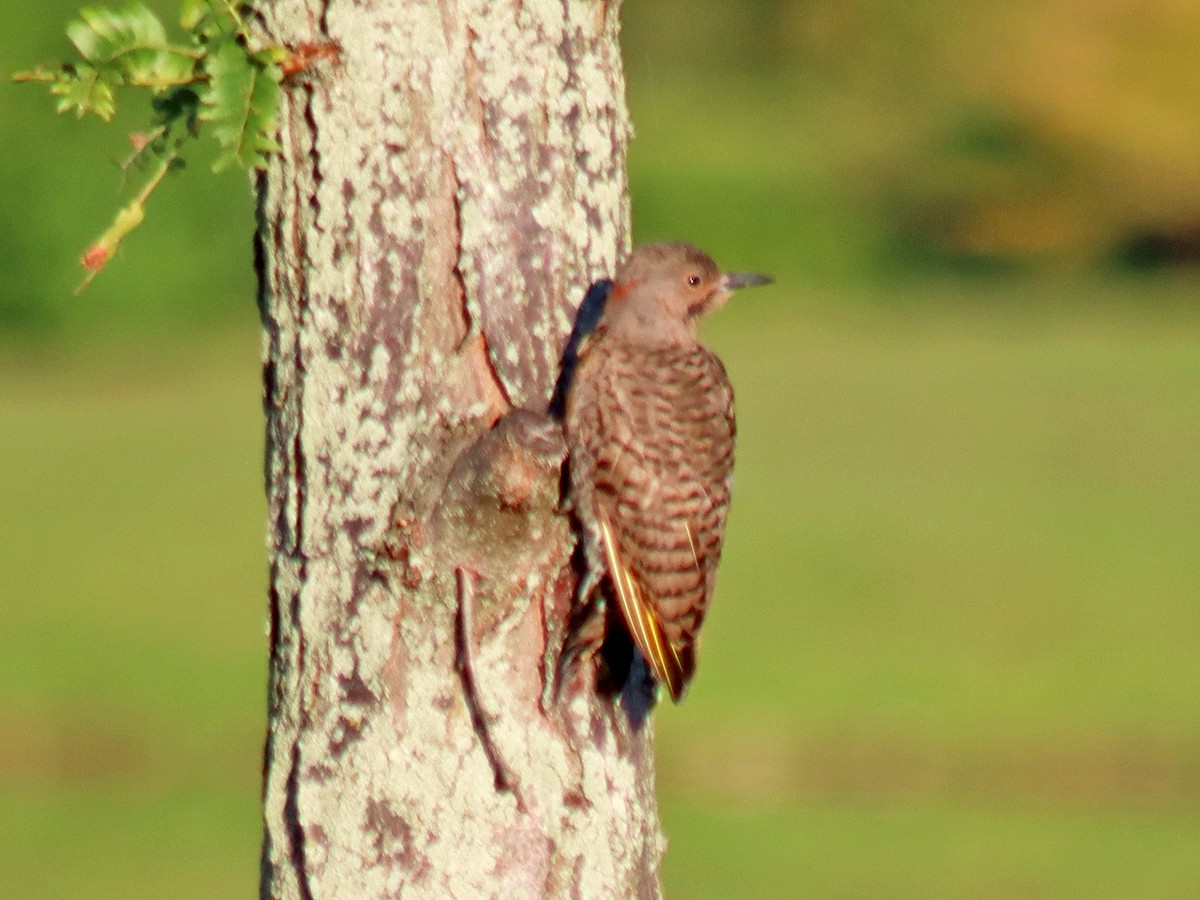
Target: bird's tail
[{"x": 641, "y": 619}]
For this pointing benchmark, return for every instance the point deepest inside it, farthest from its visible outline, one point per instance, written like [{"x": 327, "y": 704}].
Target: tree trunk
[{"x": 448, "y": 188}]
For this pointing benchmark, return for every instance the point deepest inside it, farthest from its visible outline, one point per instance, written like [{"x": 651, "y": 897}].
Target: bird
[{"x": 649, "y": 424}]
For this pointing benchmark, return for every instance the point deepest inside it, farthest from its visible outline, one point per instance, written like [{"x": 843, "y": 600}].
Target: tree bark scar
[
  {"x": 291, "y": 813},
  {"x": 487, "y": 373},
  {"x": 456, "y": 270},
  {"x": 464, "y": 623},
  {"x": 497, "y": 381}
]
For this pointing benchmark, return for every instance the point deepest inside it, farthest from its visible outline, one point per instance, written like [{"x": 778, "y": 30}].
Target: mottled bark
[{"x": 446, "y": 192}]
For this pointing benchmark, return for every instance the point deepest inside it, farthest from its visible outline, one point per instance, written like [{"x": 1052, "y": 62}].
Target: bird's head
[{"x": 663, "y": 289}]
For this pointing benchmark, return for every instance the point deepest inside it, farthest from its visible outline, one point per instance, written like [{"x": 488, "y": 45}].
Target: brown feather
[{"x": 641, "y": 620}]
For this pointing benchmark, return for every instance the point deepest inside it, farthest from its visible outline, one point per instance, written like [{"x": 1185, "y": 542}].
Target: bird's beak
[{"x": 731, "y": 281}]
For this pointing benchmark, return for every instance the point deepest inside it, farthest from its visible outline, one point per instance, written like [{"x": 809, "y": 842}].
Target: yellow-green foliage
[
  {"x": 1039, "y": 133},
  {"x": 214, "y": 74}
]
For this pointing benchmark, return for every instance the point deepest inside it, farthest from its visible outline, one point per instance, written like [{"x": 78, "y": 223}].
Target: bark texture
[{"x": 448, "y": 189}]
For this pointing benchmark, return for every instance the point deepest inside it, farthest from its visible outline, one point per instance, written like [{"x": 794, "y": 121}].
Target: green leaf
[
  {"x": 103, "y": 35},
  {"x": 204, "y": 22},
  {"x": 208, "y": 20},
  {"x": 241, "y": 103},
  {"x": 131, "y": 43},
  {"x": 84, "y": 89},
  {"x": 192, "y": 13}
]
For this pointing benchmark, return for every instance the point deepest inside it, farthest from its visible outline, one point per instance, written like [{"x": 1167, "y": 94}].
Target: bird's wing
[
  {"x": 655, "y": 466},
  {"x": 643, "y": 623}
]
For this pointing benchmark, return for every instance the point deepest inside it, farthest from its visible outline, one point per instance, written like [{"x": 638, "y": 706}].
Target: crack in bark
[
  {"x": 299, "y": 239},
  {"x": 474, "y": 327},
  {"x": 291, "y": 812},
  {"x": 465, "y": 627},
  {"x": 490, "y": 363},
  {"x": 456, "y": 272}
]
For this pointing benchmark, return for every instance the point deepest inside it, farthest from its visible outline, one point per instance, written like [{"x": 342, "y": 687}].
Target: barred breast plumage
[{"x": 650, "y": 427}]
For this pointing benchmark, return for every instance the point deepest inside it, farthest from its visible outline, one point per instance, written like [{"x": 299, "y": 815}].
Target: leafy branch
[{"x": 212, "y": 78}]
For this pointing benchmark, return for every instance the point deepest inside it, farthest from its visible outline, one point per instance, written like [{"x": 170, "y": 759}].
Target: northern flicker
[{"x": 650, "y": 431}]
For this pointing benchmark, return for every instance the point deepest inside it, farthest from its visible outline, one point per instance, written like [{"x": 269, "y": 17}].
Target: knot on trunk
[{"x": 499, "y": 511}]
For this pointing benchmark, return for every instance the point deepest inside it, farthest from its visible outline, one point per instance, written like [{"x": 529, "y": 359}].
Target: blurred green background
[{"x": 954, "y": 651}]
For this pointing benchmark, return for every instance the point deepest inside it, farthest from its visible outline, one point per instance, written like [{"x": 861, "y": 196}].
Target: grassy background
[{"x": 954, "y": 650}]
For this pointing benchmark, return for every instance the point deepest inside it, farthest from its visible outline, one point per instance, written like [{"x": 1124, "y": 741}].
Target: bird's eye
[{"x": 693, "y": 280}]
